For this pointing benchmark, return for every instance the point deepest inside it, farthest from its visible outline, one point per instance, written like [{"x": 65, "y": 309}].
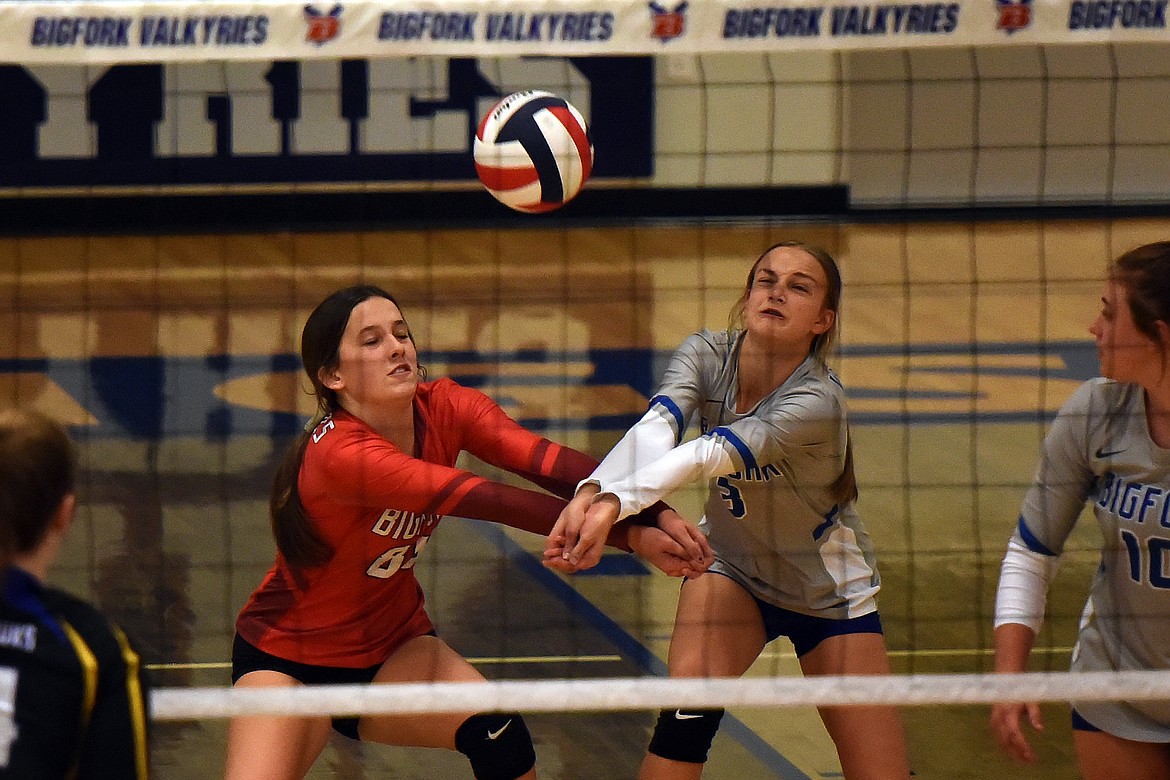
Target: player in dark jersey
[
  {"x": 792, "y": 556},
  {"x": 354, "y": 503},
  {"x": 1109, "y": 445},
  {"x": 71, "y": 688}
]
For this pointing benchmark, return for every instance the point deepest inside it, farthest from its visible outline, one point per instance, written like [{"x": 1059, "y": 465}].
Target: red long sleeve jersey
[{"x": 377, "y": 507}]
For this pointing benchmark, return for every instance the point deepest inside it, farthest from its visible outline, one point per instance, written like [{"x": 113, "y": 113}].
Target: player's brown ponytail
[{"x": 296, "y": 538}]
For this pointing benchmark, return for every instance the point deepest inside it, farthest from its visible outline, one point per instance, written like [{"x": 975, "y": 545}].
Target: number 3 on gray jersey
[{"x": 731, "y": 496}]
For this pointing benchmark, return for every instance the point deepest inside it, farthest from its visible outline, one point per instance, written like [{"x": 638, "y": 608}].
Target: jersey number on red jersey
[{"x": 397, "y": 558}]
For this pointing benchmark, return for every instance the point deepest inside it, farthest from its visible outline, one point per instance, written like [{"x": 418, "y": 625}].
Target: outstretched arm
[
  {"x": 659, "y": 430},
  {"x": 1019, "y": 612},
  {"x": 668, "y": 542},
  {"x": 704, "y": 457},
  {"x": 649, "y": 439}
]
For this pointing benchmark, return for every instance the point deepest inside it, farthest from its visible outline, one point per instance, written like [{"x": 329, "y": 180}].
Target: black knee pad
[
  {"x": 497, "y": 745},
  {"x": 685, "y": 735}
]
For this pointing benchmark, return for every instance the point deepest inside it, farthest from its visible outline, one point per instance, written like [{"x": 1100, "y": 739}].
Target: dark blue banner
[{"x": 354, "y": 121}]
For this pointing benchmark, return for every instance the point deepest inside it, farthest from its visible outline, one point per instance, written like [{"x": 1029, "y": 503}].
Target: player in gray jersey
[
  {"x": 1110, "y": 444},
  {"x": 792, "y": 557}
]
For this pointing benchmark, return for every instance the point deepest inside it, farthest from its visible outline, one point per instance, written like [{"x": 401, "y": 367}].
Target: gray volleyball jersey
[
  {"x": 1099, "y": 449},
  {"x": 770, "y": 516}
]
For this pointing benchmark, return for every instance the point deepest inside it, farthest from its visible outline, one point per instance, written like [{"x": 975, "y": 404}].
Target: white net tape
[{"x": 646, "y": 693}]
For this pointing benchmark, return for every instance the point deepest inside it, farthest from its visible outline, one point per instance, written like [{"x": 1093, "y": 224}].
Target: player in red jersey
[{"x": 354, "y": 502}]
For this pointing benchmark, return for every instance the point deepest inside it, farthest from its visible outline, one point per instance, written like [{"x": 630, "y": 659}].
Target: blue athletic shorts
[
  {"x": 1080, "y": 724},
  {"x": 806, "y": 631}
]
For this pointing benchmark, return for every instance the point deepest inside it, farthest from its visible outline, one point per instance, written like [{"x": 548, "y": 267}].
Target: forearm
[
  {"x": 562, "y": 470},
  {"x": 649, "y": 515},
  {"x": 619, "y": 537},
  {"x": 649, "y": 439},
  {"x": 700, "y": 459},
  {"x": 1019, "y": 604},
  {"x": 526, "y": 510},
  {"x": 1024, "y": 579},
  {"x": 1013, "y": 645},
  {"x": 498, "y": 440}
]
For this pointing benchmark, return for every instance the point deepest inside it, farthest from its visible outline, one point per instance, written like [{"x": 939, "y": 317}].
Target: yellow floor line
[
  {"x": 523, "y": 659},
  {"x": 593, "y": 659}
]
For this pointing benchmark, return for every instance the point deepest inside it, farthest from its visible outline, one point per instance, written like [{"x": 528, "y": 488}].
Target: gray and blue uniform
[
  {"x": 1099, "y": 449},
  {"x": 770, "y": 515}
]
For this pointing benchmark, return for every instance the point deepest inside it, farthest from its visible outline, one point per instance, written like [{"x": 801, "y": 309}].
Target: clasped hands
[{"x": 579, "y": 536}]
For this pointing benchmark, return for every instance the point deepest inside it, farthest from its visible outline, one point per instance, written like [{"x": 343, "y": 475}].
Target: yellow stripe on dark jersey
[
  {"x": 89, "y": 667},
  {"x": 137, "y": 706}
]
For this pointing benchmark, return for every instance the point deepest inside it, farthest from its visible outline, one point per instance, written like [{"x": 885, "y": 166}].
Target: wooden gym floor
[{"x": 174, "y": 358}]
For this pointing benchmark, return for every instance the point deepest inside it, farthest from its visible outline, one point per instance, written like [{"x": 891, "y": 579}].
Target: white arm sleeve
[
  {"x": 651, "y": 437},
  {"x": 1023, "y": 585},
  {"x": 702, "y": 458}
]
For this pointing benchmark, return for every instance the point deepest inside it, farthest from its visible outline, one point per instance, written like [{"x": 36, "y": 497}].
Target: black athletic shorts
[{"x": 248, "y": 658}]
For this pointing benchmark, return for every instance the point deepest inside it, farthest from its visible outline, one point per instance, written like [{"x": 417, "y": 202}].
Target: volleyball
[{"x": 533, "y": 152}]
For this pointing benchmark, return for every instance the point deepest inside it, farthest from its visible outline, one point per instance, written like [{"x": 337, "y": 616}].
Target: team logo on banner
[
  {"x": 668, "y": 24},
  {"x": 322, "y": 27},
  {"x": 1013, "y": 15}
]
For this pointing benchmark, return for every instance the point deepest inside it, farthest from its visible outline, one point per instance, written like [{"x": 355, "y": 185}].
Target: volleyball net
[
  {"x": 183, "y": 182},
  {"x": 618, "y": 694}
]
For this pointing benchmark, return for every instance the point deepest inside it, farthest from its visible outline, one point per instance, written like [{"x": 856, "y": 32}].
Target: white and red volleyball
[{"x": 533, "y": 151}]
